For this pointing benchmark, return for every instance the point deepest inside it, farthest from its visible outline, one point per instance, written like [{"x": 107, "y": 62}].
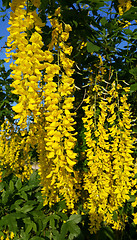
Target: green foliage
[
  {"x": 131, "y": 14},
  {"x": 6, "y": 3},
  {"x": 92, "y": 48},
  {"x": 6, "y": 97},
  {"x": 22, "y": 212},
  {"x": 71, "y": 226},
  {"x": 133, "y": 87}
]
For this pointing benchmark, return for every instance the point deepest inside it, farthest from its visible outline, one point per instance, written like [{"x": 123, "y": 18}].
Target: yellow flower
[
  {"x": 12, "y": 235},
  {"x": 18, "y": 108},
  {"x": 111, "y": 119}
]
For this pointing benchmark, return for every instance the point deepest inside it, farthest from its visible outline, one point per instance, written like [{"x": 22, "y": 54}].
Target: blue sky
[{"x": 3, "y": 31}]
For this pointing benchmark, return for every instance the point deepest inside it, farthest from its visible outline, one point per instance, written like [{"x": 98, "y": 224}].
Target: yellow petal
[
  {"x": 70, "y": 162},
  {"x": 51, "y": 155},
  {"x": 50, "y": 174},
  {"x": 71, "y": 154},
  {"x": 68, "y": 169},
  {"x": 18, "y": 108}
]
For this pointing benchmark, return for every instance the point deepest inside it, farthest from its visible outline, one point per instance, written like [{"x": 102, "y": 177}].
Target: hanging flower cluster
[
  {"x": 14, "y": 152},
  {"x": 24, "y": 46},
  {"x": 59, "y": 139},
  {"x": 124, "y": 5},
  {"x": 110, "y": 164},
  {"x": 121, "y": 148},
  {"x": 45, "y": 90},
  {"x": 7, "y": 235}
]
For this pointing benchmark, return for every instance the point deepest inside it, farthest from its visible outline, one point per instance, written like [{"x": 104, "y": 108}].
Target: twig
[
  {"x": 2, "y": 46},
  {"x": 81, "y": 101}
]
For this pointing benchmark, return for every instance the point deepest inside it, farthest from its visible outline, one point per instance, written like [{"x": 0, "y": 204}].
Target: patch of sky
[{"x": 4, "y": 18}]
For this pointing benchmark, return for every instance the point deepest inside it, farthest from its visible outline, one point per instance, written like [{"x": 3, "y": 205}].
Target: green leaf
[
  {"x": 92, "y": 48},
  {"x": 11, "y": 186},
  {"x": 10, "y": 221},
  {"x": 1, "y": 234},
  {"x": 135, "y": 129},
  {"x": 135, "y": 176},
  {"x": 32, "y": 202},
  {"x": 27, "y": 220},
  {"x": 64, "y": 230},
  {"x": 39, "y": 206},
  {"x": 1, "y": 186},
  {"x": 38, "y": 195},
  {"x": 133, "y": 71},
  {"x": 30, "y": 225},
  {"x": 132, "y": 198},
  {"x": 106, "y": 233},
  {"x": 5, "y": 3},
  {"x": 98, "y": 3},
  {"x": 76, "y": 23},
  {"x": 78, "y": 1},
  {"x": 70, "y": 227},
  {"x": 27, "y": 208},
  {"x": 128, "y": 31},
  {"x": 24, "y": 236},
  {"x": 34, "y": 181},
  {"x": 24, "y": 195},
  {"x": 28, "y": 187},
  {"x": 133, "y": 87},
  {"x": 103, "y": 21},
  {"x": 29, "y": 228},
  {"x": 131, "y": 14},
  {"x": 63, "y": 216},
  {"x": 109, "y": 233},
  {"x": 18, "y": 184},
  {"x": 5, "y": 196},
  {"x": 75, "y": 218},
  {"x": 74, "y": 234},
  {"x": 61, "y": 205},
  {"x": 15, "y": 207},
  {"x": 56, "y": 234},
  {"x": 51, "y": 219},
  {"x": 34, "y": 227}
]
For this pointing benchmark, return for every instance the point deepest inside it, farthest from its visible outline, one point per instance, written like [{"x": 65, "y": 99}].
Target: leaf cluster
[
  {"x": 7, "y": 98},
  {"x": 22, "y": 212}
]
